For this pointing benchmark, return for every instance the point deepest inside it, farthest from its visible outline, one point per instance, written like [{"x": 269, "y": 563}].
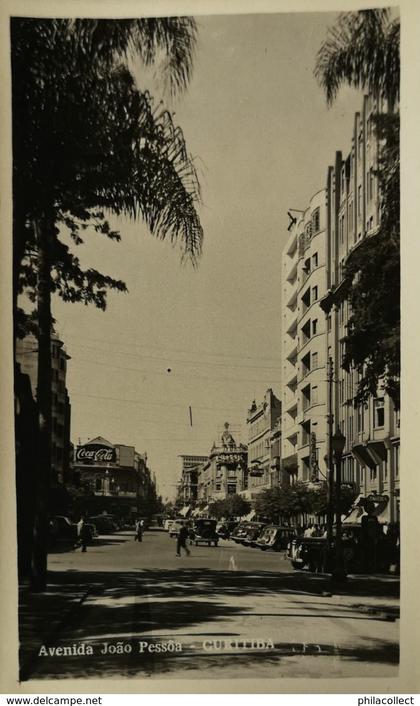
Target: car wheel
[
  {"x": 296, "y": 565},
  {"x": 196, "y": 544}
]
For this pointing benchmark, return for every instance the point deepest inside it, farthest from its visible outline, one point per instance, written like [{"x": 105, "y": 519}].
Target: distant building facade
[
  {"x": 263, "y": 467},
  {"x": 116, "y": 475},
  {"x": 226, "y": 470},
  {"x": 189, "y": 474}
]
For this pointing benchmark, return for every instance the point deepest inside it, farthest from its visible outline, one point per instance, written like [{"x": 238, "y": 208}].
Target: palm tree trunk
[{"x": 44, "y": 234}]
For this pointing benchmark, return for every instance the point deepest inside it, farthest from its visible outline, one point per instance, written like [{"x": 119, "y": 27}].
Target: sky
[{"x": 257, "y": 124}]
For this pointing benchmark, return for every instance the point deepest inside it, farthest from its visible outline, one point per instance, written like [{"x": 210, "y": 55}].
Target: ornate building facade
[
  {"x": 263, "y": 467},
  {"x": 225, "y": 471}
]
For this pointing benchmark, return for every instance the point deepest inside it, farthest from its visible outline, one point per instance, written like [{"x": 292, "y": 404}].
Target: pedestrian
[
  {"x": 83, "y": 534},
  {"x": 310, "y": 531},
  {"x": 139, "y": 531},
  {"x": 182, "y": 541}
]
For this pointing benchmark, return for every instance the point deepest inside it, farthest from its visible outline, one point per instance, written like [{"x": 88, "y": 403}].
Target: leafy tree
[
  {"x": 232, "y": 506},
  {"x": 362, "y": 50},
  {"x": 318, "y": 499},
  {"x": 87, "y": 142},
  {"x": 372, "y": 285}
]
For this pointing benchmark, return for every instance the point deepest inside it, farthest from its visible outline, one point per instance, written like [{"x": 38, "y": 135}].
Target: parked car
[
  {"x": 275, "y": 537},
  {"x": 116, "y": 520},
  {"x": 240, "y": 532},
  {"x": 225, "y": 529},
  {"x": 62, "y": 531},
  {"x": 306, "y": 551},
  {"x": 204, "y": 532},
  {"x": 167, "y": 524},
  {"x": 253, "y": 532},
  {"x": 104, "y": 524}
]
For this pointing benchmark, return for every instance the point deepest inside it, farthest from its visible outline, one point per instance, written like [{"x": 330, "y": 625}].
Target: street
[{"x": 224, "y": 612}]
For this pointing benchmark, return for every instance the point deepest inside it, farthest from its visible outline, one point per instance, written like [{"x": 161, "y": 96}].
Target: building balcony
[
  {"x": 292, "y": 273},
  {"x": 291, "y": 348},
  {"x": 292, "y": 300}
]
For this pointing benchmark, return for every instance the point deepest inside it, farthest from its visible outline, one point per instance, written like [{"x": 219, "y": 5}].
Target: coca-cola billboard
[{"x": 95, "y": 453}]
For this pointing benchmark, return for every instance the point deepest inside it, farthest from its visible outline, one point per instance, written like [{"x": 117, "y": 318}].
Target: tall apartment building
[
  {"x": 304, "y": 420},
  {"x": 262, "y": 420},
  {"x": 336, "y": 222},
  {"x": 371, "y": 455},
  {"x": 27, "y": 356}
]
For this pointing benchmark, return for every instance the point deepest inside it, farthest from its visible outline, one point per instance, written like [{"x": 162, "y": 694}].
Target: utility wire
[
  {"x": 181, "y": 361},
  {"x": 153, "y": 404},
  {"x": 132, "y": 344},
  {"x": 191, "y": 377}
]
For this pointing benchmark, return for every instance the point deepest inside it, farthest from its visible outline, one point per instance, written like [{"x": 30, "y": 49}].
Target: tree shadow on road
[{"x": 156, "y": 604}]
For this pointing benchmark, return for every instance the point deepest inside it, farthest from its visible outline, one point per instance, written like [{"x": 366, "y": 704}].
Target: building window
[
  {"x": 314, "y": 294},
  {"x": 314, "y": 360},
  {"x": 314, "y": 260},
  {"x": 378, "y": 412},
  {"x": 314, "y": 327},
  {"x": 314, "y": 394},
  {"x": 329, "y": 323},
  {"x": 360, "y": 418},
  {"x": 359, "y": 201},
  {"x": 397, "y": 461},
  {"x": 315, "y": 221}
]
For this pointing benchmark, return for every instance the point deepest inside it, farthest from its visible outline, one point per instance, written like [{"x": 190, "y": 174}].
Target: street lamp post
[{"x": 338, "y": 442}]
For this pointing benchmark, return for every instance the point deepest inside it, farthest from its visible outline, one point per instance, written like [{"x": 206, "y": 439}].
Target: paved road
[{"x": 223, "y": 612}]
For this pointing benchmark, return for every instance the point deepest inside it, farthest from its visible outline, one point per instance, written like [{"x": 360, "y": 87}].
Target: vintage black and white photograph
[{"x": 206, "y": 312}]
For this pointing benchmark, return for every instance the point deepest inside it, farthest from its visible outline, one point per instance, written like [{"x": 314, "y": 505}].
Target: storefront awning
[
  {"x": 378, "y": 506},
  {"x": 250, "y": 516},
  {"x": 184, "y": 511}
]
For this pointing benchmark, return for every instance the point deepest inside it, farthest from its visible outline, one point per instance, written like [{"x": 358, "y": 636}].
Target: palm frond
[{"x": 362, "y": 50}]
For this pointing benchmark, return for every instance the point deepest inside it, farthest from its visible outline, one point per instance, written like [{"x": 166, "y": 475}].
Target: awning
[
  {"x": 379, "y": 507},
  {"x": 196, "y": 512},
  {"x": 250, "y": 516},
  {"x": 184, "y": 511},
  {"x": 355, "y": 517}
]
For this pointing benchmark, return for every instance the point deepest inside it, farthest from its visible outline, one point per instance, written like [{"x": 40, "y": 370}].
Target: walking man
[
  {"x": 83, "y": 534},
  {"x": 182, "y": 541},
  {"x": 139, "y": 531}
]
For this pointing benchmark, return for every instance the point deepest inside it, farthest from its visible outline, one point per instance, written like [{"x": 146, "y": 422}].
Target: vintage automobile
[
  {"x": 104, "y": 524},
  {"x": 240, "y": 532},
  {"x": 176, "y": 525},
  {"x": 311, "y": 552},
  {"x": 204, "y": 532},
  {"x": 224, "y": 529},
  {"x": 307, "y": 551},
  {"x": 253, "y": 533},
  {"x": 62, "y": 531},
  {"x": 275, "y": 537}
]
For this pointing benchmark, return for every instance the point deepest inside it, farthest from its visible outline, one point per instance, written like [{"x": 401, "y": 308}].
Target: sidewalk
[{"x": 43, "y": 615}]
